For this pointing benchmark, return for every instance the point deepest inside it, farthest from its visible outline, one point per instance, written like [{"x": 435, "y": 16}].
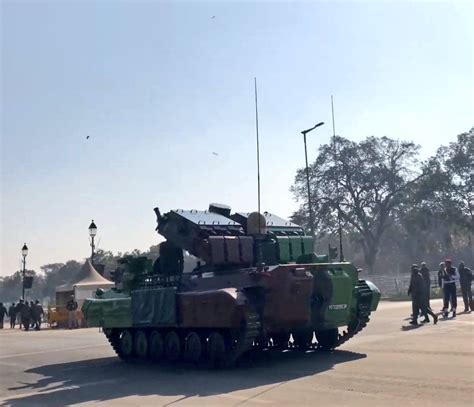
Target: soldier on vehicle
[
  {"x": 447, "y": 278},
  {"x": 71, "y": 307},
  {"x": 12, "y": 315},
  {"x": 417, "y": 292},
  {"x": 425, "y": 273},
  {"x": 465, "y": 279},
  {"x": 3, "y": 312},
  {"x": 25, "y": 315}
]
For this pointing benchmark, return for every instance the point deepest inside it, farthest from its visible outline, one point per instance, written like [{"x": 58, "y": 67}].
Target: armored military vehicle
[{"x": 257, "y": 283}]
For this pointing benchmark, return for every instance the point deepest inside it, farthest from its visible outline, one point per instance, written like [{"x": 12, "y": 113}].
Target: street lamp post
[
  {"x": 92, "y": 234},
  {"x": 310, "y": 208},
  {"x": 24, "y": 253}
]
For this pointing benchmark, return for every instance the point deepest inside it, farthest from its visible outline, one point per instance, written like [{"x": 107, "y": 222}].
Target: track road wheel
[
  {"x": 216, "y": 349},
  {"x": 140, "y": 344},
  {"x": 327, "y": 339},
  {"x": 172, "y": 346},
  {"x": 193, "y": 348},
  {"x": 126, "y": 344},
  {"x": 156, "y": 346},
  {"x": 302, "y": 339}
]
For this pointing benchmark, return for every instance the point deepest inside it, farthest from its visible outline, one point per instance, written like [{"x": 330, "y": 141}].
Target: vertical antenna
[
  {"x": 333, "y": 125},
  {"x": 339, "y": 223},
  {"x": 258, "y": 151}
]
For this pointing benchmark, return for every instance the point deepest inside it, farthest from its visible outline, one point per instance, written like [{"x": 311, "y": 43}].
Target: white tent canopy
[{"x": 86, "y": 287}]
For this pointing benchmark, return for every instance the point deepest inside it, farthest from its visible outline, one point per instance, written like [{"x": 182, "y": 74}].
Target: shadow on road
[
  {"x": 410, "y": 327},
  {"x": 110, "y": 378}
]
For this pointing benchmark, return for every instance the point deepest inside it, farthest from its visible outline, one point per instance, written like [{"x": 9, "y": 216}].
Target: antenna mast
[
  {"x": 339, "y": 223},
  {"x": 258, "y": 151}
]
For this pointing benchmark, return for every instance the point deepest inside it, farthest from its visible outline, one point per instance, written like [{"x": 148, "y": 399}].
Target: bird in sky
[
  {"x": 213, "y": 17},
  {"x": 87, "y": 138},
  {"x": 214, "y": 153}
]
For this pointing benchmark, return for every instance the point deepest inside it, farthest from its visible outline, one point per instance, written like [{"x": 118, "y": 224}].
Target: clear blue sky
[{"x": 159, "y": 86}]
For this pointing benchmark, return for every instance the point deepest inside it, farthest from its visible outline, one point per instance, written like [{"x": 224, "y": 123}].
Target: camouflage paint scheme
[{"x": 238, "y": 300}]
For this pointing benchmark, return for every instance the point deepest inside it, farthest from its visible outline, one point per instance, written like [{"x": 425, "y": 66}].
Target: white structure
[{"x": 86, "y": 287}]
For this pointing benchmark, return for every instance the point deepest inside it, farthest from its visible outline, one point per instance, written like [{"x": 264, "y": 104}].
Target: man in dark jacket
[
  {"x": 425, "y": 273},
  {"x": 12, "y": 315},
  {"x": 26, "y": 316},
  {"x": 37, "y": 312},
  {"x": 3, "y": 312},
  {"x": 18, "y": 309},
  {"x": 449, "y": 277},
  {"x": 465, "y": 279},
  {"x": 32, "y": 315},
  {"x": 417, "y": 292},
  {"x": 71, "y": 307}
]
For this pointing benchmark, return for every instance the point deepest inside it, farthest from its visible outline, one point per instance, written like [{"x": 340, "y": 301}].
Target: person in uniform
[
  {"x": 25, "y": 315},
  {"x": 425, "y": 273},
  {"x": 71, "y": 307},
  {"x": 465, "y": 279},
  {"x": 12, "y": 315},
  {"x": 3, "y": 312},
  {"x": 417, "y": 292},
  {"x": 449, "y": 278}
]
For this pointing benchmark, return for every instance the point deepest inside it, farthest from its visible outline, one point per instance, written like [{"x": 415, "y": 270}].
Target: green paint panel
[
  {"x": 339, "y": 308},
  {"x": 296, "y": 247},
  {"x": 284, "y": 249},
  {"x": 308, "y": 244},
  {"x": 112, "y": 312}
]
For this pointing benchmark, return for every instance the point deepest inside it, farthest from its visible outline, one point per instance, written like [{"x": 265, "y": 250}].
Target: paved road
[{"x": 388, "y": 364}]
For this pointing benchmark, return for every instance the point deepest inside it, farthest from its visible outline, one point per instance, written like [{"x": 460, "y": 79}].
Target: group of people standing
[
  {"x": 420, "y": 290},
  {"x": 28, "y": 315}
]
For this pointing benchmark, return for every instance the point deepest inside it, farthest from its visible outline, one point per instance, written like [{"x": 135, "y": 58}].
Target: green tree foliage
[
  {"x": 442, "y": 210},
  {"x": 362, "y": 183},
  {"x": 394, "y": 209}
]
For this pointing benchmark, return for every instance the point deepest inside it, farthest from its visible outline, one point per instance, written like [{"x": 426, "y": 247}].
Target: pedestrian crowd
[
  {"x": 448, "y": 278},
  {"x": 28, "y": 315}
]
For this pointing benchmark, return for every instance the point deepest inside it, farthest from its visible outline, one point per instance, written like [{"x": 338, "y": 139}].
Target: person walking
[
  {"x": 12, "y": 315},
  {"x": 465, "y": 279},
  {"x": 449, "y": 277},
  {"x": 417, "y": 292},
  {"x": 26, "y": 316},
  {"x": 18, "y": 309},
  {"x": 425, "y": 273},
  {"x": 38, "y": 312},
  {"x": 71, "y": 307},
  {"x": 32, "y": 312},
  {"x": 3, "y": 312}
]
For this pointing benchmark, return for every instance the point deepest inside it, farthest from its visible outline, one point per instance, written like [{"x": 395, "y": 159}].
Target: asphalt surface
[{"x": 387, "y": 364}]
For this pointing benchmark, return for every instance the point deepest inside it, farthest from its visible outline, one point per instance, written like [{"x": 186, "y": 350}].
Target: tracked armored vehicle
[{"x": 256, "y": 283}]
